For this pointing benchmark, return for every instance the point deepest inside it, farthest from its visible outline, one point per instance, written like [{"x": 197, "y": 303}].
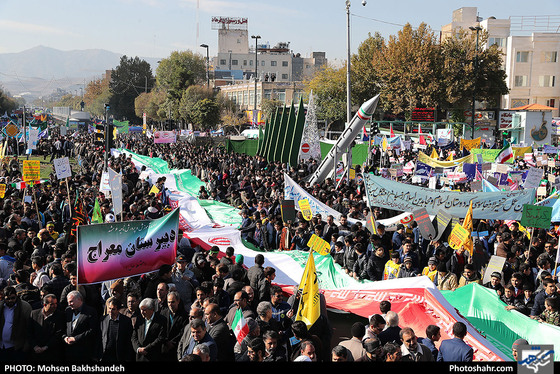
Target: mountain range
[{"x": 41, "y": 71}]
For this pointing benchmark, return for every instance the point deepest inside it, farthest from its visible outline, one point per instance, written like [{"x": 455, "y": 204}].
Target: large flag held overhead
[{"x": 309, "y": 308}]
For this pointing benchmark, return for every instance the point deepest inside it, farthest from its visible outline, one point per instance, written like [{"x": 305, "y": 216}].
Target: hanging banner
[
  {"x": 422, "y": 157},
  {"x": 165, "y": 137},
  {"x": 108, "y": 251},
  {"x": 469, "y": 144},
  {"x": 486, "y": 205}
]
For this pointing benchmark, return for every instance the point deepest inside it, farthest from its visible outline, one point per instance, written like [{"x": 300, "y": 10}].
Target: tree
[
  {"x": 128, "y": 80},
  {"x": 96, "y": 95},
  {"x": 487, "y": 82},
  {"x": 205, "y": 114},
  {"x": 365, "y": 81},
  {"x": 7, "y": 103},
  {"x": 191, "y": 96},
  {"x": 408, "y": 66},
  {"x": 178, "y": 72},
  {"x": 329, "y": 88},
  {"x": 269, "y": 106}
]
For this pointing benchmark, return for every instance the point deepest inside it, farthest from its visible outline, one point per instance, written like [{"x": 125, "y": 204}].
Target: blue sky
[{"x": 155, "y": 28}]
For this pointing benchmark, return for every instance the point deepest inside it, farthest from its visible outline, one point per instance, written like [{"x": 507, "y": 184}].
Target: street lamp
[
  {"x": 348, "y": 89},
  {"x": 207, "y": 65},
  {"x": 256, "y": 37},
  {"x": 477, "y": 29}
]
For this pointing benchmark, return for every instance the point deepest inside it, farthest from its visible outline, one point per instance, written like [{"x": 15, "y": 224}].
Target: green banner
[{"x": 482, "y": 307}]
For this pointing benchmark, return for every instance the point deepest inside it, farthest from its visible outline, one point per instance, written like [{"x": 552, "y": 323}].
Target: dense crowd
[{"x": 185, "y": 311}]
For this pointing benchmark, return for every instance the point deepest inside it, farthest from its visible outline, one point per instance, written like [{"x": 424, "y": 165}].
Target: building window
[
  {"x": 285, "y": 76},
  {"x": 262, "y": 63},
  {"x": 281, "y": 96},
  {"x": 521, "y": 81},
  {"x": 499, "y": 42},
  {"x": 550, "y": 56},
  {"x": 250, "y": 62},
  {"x": 234, "y": 62},
  {"x": 522, "y": 56},
  {"x": 268, "y": 94},
  {"x": 551, "y": 103},
  {"x": 273, "y": 63},
  {"x": 546, "y": 80},
  {"x": 285, "y": 63},
  {"x": 244, "y": 62},
  {"x": 223, "y": 62}
]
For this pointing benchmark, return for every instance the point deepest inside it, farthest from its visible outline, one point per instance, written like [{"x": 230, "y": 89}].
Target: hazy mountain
[{"x": 41, "y": 70}]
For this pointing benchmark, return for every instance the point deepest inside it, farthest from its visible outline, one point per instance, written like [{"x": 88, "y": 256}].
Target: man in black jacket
[
  {"x": 82, "y": 329},
  {"x": 45, "y": 331},
  {"x": 149, "y": 334},
  {"x": 220, "y": 332},
  {"x": 116, "y": 334}
]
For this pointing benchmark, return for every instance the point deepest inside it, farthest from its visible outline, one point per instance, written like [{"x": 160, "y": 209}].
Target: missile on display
[{"x": 350, "y": 133}]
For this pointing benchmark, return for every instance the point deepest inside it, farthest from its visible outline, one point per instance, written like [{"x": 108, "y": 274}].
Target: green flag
[{"x": 97, "y": 217}]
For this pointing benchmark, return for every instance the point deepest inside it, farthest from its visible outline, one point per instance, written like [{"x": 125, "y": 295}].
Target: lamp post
[
  {"x": 348, "y": 89},
  {"x": 477, "y": 29},
  {"x": 207, "y": 65},
  {"x": 256, "y": 37}
]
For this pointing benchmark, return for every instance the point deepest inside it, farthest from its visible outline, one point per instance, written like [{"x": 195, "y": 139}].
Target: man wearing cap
[
  {"x": 183, "y": 279},
  {"x": 495, "y": 283},
  {"x": 431, "y": 270},
  {"x": 50, "y": 229},
  {"x": 407, "y": 269},
  {"x": 515, "y": 346}
]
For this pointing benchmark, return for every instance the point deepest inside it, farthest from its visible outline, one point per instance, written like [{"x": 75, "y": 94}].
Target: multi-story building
[
  {"x": 241, "y": 59},
  {"x": 530, "y": 45}
]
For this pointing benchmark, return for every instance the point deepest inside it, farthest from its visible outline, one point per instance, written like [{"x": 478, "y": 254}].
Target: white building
[{"x": 530, "y": 45}]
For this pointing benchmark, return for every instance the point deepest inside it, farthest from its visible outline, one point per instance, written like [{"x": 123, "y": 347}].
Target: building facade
[{"x": 530, "y": 46}]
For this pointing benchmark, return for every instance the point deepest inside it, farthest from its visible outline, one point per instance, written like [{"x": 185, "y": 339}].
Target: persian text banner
[
  {"x": 123, "y": 249},
  {"x": 486, "y": 205}
]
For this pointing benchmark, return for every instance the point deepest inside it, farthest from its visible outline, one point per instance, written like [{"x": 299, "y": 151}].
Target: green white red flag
[{"x": 239, "y": 326}]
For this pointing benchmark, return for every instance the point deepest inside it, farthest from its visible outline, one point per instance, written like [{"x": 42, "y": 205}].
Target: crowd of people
[{"x": 185, "y": 311}]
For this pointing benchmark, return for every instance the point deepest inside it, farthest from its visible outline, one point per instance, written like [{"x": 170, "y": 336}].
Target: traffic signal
[
  {"x": 110, "y": 136},
  {"x": 99, "y": 138}
]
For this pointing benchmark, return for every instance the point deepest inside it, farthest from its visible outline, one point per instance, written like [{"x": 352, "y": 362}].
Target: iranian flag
[
  {"x": 239, "y": 326},
  {"x": 505, "y": 154}
]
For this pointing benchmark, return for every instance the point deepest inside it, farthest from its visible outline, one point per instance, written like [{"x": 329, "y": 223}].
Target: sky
[{"x": 155, "y": 28}]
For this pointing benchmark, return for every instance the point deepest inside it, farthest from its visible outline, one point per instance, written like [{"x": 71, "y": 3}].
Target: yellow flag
[
  {"x": 468, "y": 225},
  {"x": 154, "y": 190},
  {"x": 384, "y": 144},
  {"x": 309, "y": 307},
  {"x": 434, "y": 154},
  {"x": 450, "y": 157}
]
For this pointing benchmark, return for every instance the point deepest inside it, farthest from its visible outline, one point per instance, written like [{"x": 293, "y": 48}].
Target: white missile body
[{"x": 356, "y": 125}]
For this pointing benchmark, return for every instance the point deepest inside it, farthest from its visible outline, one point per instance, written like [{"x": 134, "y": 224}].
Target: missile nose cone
[{"x": 369, "y": 106}]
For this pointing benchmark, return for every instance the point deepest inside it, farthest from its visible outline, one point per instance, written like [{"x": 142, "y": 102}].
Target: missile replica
[{"x": 345, "y": 140}]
